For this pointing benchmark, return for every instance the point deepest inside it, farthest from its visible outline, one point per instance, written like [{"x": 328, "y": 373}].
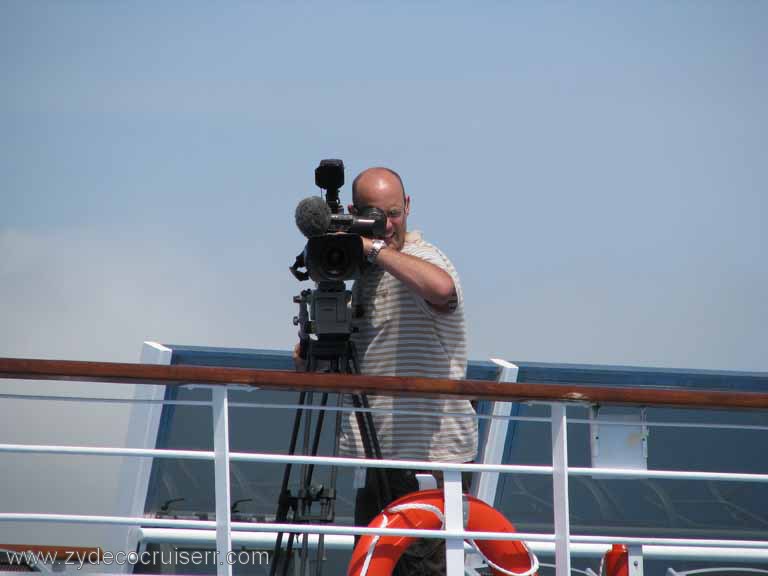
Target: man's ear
[
  {"x": 351, "y": 208},
  {"x": 407, "y": 206}
]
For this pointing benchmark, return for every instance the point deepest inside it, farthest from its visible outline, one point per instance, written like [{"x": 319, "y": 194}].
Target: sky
[{"x": 596, "y": 171}]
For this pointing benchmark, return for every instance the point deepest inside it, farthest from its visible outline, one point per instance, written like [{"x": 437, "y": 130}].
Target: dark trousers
[{"x": 425, "y": 556}]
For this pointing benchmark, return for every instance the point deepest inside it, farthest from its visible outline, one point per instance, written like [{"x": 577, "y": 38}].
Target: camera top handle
[{"x": 329, "y": 176}]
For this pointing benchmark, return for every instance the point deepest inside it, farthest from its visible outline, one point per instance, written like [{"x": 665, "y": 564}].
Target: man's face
[{"x": 385, "y": 193}]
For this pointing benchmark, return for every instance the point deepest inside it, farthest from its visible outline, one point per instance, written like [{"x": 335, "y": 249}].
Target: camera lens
[
  {"x": 336, "y": 262},
  {"x": 334, "y": 257}
]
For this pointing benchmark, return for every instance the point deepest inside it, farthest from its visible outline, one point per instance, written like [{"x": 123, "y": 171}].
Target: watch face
[{"x": 375, "y": 249}]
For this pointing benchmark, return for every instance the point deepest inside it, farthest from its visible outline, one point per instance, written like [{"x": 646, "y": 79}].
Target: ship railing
[{"x": 561, "y": 542}]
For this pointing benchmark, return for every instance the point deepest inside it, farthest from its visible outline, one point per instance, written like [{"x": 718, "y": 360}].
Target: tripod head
[{"x": 325, "y": 324}]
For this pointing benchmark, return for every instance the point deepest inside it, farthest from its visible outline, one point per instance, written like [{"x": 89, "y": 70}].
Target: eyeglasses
[{"x": 392, "y": 213}]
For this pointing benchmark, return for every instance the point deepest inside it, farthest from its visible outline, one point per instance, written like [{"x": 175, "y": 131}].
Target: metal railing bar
[
  {"x": 486, "y": 535},
  {"x": 352, "y": 530},
  {"x": 700, "y": 553},
  {"x": 669, "y": 474},
  {"x": 669, "y": 424},
  {"x": 268, "y": 458},
  {"x": 504, "y": 468},
  {"x": 673, "y": 542},
  {"x": 346, "y": 542},
  {"x": 366, "y": 463},
  {"x": 720, "y": 569},
  {"x": 266, "y": 527},
  {"x": 540, "y": 419},
  {"x": 92, "y": 399},
  {"x": 102, "y": 451},
  {"x": 107, "y": 520},
  {"x": 207, "y": 403},
  {"x": 384, "y": 463},
  {"x": 239, "y": 538},
  {"x": 430, "y": 413}
]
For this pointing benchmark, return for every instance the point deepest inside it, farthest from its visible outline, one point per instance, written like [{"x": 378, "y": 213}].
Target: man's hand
[{"x": 298, "y": 361}]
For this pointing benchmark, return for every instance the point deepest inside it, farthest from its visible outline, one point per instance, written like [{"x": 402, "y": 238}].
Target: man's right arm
[{"x": 429, "y": 281}]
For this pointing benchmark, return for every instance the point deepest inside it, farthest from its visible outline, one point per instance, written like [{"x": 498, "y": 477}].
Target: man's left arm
[{"x": 429, "y": 281}]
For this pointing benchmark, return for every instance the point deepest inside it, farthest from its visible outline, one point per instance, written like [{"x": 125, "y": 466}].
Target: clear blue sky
[{"x": 597, "y": 171}]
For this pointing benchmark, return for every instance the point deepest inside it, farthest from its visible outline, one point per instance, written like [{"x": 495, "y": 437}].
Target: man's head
[{"x": 382, "y": 188}]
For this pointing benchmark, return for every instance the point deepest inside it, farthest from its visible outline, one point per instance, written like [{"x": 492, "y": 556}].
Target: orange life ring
[
  {"x": 615, "y": 561},
  {"x": 377, "y": 555}
]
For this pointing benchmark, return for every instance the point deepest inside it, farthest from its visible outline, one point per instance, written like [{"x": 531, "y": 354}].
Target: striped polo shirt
[{"x": 400, "y": 334}]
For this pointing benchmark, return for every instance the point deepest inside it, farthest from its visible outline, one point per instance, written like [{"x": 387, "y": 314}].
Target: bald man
[{"x": 408, "y": 308}]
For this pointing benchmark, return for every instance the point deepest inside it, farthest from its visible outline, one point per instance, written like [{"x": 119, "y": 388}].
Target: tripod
[{"x": 332, "y": 351}]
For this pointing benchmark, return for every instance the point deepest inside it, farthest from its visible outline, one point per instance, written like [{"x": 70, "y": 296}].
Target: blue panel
[
  {"x": 533, "y": 372},
  {"x": 594, "y": 375},
  {"x": 232, "y": 357}
]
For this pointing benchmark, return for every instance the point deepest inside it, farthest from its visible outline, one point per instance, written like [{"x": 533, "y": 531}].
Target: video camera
[{"x": 334, "y": 250}]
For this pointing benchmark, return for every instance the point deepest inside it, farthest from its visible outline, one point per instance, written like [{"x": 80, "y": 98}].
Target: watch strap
[{"x": 375, "y": 249}]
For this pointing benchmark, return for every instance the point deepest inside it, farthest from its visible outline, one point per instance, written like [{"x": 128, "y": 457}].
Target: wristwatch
[{"x": 375, "y": 249}]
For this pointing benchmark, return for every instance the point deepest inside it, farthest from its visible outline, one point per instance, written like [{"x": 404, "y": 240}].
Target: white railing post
[
  {"x": 454, "y": 521},
  {"x": 493, "y": 451},
  {"x": 635, "y": 559},
  {"x": 221, "y": 478},
  {"x": 143, "y": 426},
  {"x": 560, "y": 489}
]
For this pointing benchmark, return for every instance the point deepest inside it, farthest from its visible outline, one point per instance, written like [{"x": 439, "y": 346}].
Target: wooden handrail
[{"x": 122, "y": 373}]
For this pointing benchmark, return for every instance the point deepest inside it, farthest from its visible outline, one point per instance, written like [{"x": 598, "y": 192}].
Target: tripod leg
[
  {"x": 304, "y": 563},
  {"x": 373, "y": 440},
  {"x": 362, "y": 425},
  {"x": 320, "y": 554},
  {"x": 383, "y": 480},
  {"x": 328, "y": 512},
  {"x": 284, "y": 502},
  {"x": 302, "y": 504},
  {"x": 364, "y": 436},
  {"x": 288, "y": 552},
  {"x": 364, "y": 419},
  {"x": 371, "y": 428},
  {"x": 316, "y": 439}
]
